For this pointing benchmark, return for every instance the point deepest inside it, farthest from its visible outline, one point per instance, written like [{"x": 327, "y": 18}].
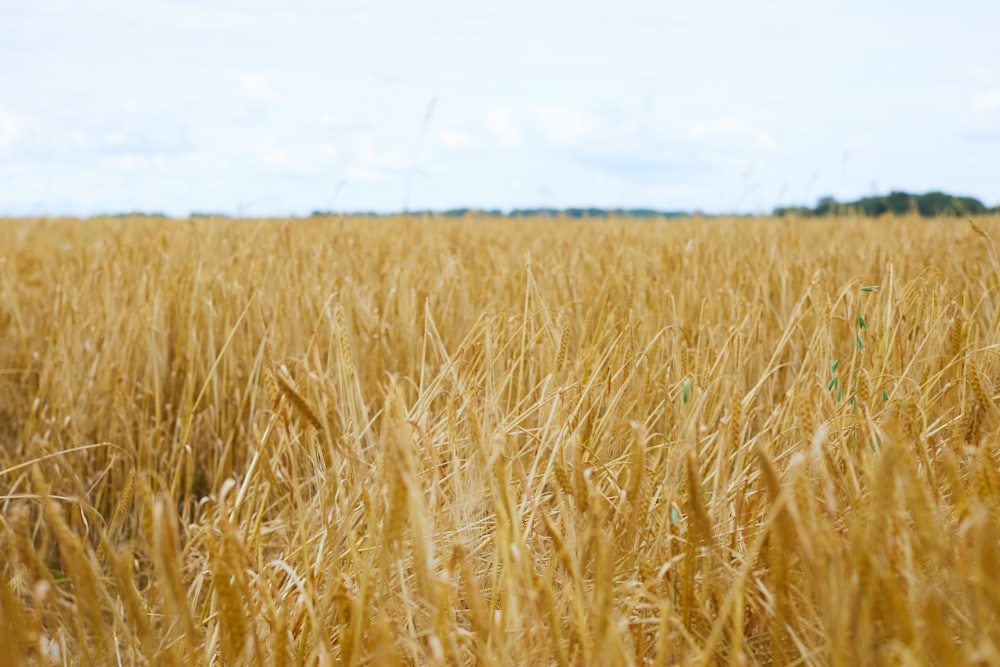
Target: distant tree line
[
  {"x": 591, "y": 212},
  {"x": 134, "y": 214},
  {"x": 931, "y": 204}
]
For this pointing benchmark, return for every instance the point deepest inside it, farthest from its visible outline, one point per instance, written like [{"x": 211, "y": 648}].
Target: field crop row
[{"x": 421, "y": 441}]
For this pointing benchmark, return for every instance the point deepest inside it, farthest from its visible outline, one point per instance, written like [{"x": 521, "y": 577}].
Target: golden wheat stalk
[
  {"x": 299, "y": 402},
  {"x": 121, "y": 509}
]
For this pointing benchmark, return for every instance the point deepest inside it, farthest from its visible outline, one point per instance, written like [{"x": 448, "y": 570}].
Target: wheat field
[{"x": 515, "y": 442}]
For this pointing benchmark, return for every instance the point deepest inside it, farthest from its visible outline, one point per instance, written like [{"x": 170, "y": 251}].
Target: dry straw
[{"x": 684, "y": 442}]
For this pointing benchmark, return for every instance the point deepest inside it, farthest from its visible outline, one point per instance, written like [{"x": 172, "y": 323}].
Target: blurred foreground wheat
[{"x": 406, "y": 441}]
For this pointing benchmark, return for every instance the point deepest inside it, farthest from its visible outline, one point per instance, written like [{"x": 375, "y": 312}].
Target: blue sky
[{"x": 282, "y": 108}]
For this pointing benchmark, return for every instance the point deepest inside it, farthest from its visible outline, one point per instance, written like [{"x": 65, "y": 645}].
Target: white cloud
[
  {"x": 370, "y": 155},
  {"x": 367, "y": 175},
  {"x": 130, "y": 162},
  {"x": 564, "y": 126},
  {"x": 716, "y": 127},
  {"x": 766, "y": 141},
  {"x": 455, "y": 139},
  {"x": 270, "y": 154},
  {"x": 11, "y": 128},
  {"x": 291, "y": 156},
  {"x": 861, "y": 142},
  {"x": 375, "y": 163},
  {"x": 986, "y": 103},
  {"x": 84, "y": 141},
  {"x": 733, "y": 135},
  {"x": 257, "y": 87},
  {"x": 503, "y": 127}
]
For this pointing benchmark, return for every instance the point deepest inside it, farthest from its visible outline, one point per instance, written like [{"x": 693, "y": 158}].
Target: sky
[{"x": 270, "y": 109}]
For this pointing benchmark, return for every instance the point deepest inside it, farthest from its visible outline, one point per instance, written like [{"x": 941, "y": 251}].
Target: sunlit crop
[{"x": 481, "y": 441}]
